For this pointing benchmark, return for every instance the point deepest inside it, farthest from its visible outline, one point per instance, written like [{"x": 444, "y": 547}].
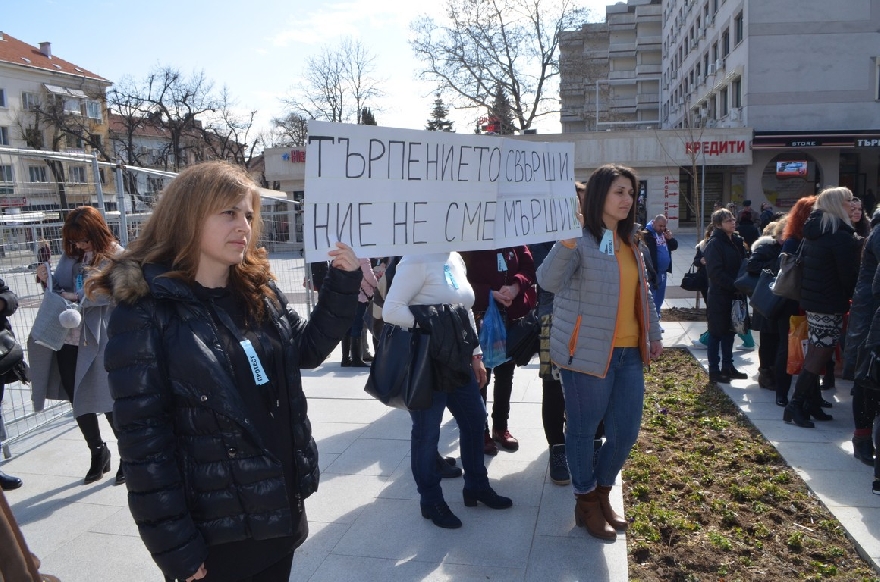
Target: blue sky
[{"x": 257, "y": 49}]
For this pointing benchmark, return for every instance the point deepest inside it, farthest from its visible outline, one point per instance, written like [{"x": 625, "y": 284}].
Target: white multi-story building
[
  {"x": 38, "y": 89},
  {"x": 803, "y": 76}
]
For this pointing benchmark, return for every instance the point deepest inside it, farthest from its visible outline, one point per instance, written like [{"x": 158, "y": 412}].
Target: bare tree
[
  {"x": 511, "y": 44},
  {"x": 174, "y": 102},
  {"x": 339, "y": 83},
  {"x": 288, "y": 131},
  {"x": 227, "y": 134}
]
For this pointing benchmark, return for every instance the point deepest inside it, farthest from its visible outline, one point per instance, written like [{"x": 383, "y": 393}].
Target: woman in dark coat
[
  {"x": 765, "y": 255},
  {"x": 204, "y": 362},
  {"x": 791, "y": 236},
  {"x": 724, "y": 254},
  {"x": 830, "y": 257},
  {"x": 8, "y": 305},
  {"x": 861, "y": 336},
  {"x": 509, "y": 274}
]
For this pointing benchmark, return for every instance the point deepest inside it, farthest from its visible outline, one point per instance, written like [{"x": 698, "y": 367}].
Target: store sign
[
  {"x": 803, "y": 143},
  {"x": 294, "y": 156},
  {"x": 868, "y": 143},
  {"x": 670, "y": 197},
  {"x": 12, "y": 202},
  {"x": 716, "y": 147}
]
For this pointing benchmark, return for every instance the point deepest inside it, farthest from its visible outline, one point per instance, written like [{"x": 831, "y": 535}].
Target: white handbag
[{"x": 47, "y": 329}]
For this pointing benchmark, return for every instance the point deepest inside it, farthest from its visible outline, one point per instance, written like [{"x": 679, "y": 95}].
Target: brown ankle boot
[
  {"x": 611, "y": 516},
  {"x": 587, "y": 513}
]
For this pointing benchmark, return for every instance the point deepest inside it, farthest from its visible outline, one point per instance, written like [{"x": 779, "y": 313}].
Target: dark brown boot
[
  {"x": 588, "y": 513},
  {"x": 611, "y": 516},
  {"x": 356, "y": 360}
]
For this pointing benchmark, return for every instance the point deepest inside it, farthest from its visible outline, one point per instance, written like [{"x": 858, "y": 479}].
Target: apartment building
[
  {"x": 47, "y": 103},
  {"x": 801, "y": 77},
  {"x": 611, "y": 71}
]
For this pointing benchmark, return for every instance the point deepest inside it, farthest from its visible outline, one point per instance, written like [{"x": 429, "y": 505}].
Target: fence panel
[{"x": 24, "y": 231}]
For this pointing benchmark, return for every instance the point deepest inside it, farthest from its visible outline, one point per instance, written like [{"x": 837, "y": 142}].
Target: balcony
[
  {"x": 628, "y": 46},
  {"x": 647, "y": 98},
  {"x": 614, "y": 75},
  {"x": 649, "y": 69},
  {"x": 646, "y": 40}
]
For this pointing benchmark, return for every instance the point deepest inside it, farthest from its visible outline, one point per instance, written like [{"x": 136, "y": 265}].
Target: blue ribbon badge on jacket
[{"x": 256, "y": 365}]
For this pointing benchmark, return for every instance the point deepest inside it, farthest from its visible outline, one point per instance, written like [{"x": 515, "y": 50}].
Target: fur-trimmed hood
[
  {"x": 762, "y": 241},
  {"x": 127, "y": 282}
]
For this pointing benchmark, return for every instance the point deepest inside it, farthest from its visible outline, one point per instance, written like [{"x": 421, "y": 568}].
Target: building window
[
  {"x": 73, "y": 141},
  {"x": 4, "y": 136},
  {"x": 72, "y": 107},
  {"x": 736, "y": 92},
  {"x": 738, "y": 29},
  {"x": 6, "y": 173},
  {"x": 725, "y": 42},
  {"x": 155, "y": 184},
  {"x": 93, "y": 109},
  {"x": 95, "y": 140},
  {"x": 78, "y": 174},
  {"x": 29, "y": 101},
  {"x": 877, "y": 79},
  {"x": 37, "y": 173},
  {"x": 2, "y": 97},
  {"x": 722, "y": 96}
]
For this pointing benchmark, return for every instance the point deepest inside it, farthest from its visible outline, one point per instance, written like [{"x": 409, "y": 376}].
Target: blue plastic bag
[{"x": 493, "y": 336}]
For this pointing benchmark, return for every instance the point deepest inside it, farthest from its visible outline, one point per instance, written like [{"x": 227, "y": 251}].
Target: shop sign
[
  {"x": 12, "y": 202},
  {"x": 873, "y": 142},
  {"x": 294, "y": 156},
  {"x": 716, "y": 147},
  {"x": 670, "y": 197}
]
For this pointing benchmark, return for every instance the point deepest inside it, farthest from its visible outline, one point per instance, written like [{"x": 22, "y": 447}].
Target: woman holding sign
[
  {"x": 204, "y": 362},
  {"x": 605, "y": 330}
]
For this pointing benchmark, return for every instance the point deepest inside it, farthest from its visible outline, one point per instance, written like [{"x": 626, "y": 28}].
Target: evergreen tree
[
  {"x": 501, "y": 114},
  {"x": 367, "y": 117},
  {"x": 438, "y": 121}
]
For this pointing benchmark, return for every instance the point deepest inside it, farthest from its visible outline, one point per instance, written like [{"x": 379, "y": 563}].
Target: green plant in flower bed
[{"x": 710, "y": 499}]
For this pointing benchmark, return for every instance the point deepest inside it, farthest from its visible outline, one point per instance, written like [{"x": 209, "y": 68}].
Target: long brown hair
[
  {"x": 86, "y": 224},
  {"x": 593, "y": 201},
  {"x": 797, "y": 216},
  {"x": 172, "y": 235}
]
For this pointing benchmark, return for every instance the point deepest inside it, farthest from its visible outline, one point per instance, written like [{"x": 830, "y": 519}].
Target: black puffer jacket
[
  {"x": 765, "y": 255},
  {"x": 830, "y": 266},
  {"x": 865, "y": 301},
  {"x": 197, "y": 471},
  {"x": 723, "y": 255}
]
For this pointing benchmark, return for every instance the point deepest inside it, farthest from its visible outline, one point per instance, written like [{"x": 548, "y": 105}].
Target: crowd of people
[{"x": 191, "y": 351}]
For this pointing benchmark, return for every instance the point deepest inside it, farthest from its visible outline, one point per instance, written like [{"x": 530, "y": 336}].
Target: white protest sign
[{"x": 390, "y": 191}]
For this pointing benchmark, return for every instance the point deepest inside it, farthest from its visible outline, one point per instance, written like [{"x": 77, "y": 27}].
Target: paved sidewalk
[{"x": 365, "y": 519}]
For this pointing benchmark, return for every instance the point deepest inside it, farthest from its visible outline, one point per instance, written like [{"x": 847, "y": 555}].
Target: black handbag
[
  {"x": 11, "y": 352},
  {"x": 868, "y": 370},
  {"x": 402, "y": 374},
  {"x": 695, "y": 280},
  {"x": 764, "y": 300},
  {"x": 788, "y": 280},
  {"x": 523, "y": 338},
  {"x": 745, "y": 282}
]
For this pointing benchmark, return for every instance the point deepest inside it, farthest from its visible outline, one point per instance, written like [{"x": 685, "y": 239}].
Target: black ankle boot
[
  {"x": 346, "y": 351},
  {"x": 100, "y": 464},
  {"x": 356, "y": 360},
  {"x": 794, "y": 413}
]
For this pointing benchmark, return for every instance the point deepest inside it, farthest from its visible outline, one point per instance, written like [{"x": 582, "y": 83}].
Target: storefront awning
[{"x": 763, "y": 140}]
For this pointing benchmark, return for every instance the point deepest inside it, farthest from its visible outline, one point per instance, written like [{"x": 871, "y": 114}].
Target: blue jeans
[
  {"x": 469, "y": 412},
  {"x": 617, "y": 399},
  {"x": 660, "y": 292},
  {"x": 357, "y": 326},
  {"x": 725, "y": 342}
]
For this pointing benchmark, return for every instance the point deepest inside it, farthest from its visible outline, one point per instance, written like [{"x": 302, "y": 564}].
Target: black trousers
[
  {"x": 277, "y": 572},
  {"x": 501, "y": 391},
  {"x": 88, "y": 423},
  {"x": 553, "y": 411}
]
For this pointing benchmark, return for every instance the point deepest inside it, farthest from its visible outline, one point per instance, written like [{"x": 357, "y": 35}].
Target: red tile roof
[{"x": 15, "y": 52}]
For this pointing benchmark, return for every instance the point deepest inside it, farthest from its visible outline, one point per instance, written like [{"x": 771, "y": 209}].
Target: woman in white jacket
[{"x": 441, "y": 278}]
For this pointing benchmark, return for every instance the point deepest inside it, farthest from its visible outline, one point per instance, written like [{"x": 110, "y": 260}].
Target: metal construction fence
[{"x": 23, "y": 233}]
